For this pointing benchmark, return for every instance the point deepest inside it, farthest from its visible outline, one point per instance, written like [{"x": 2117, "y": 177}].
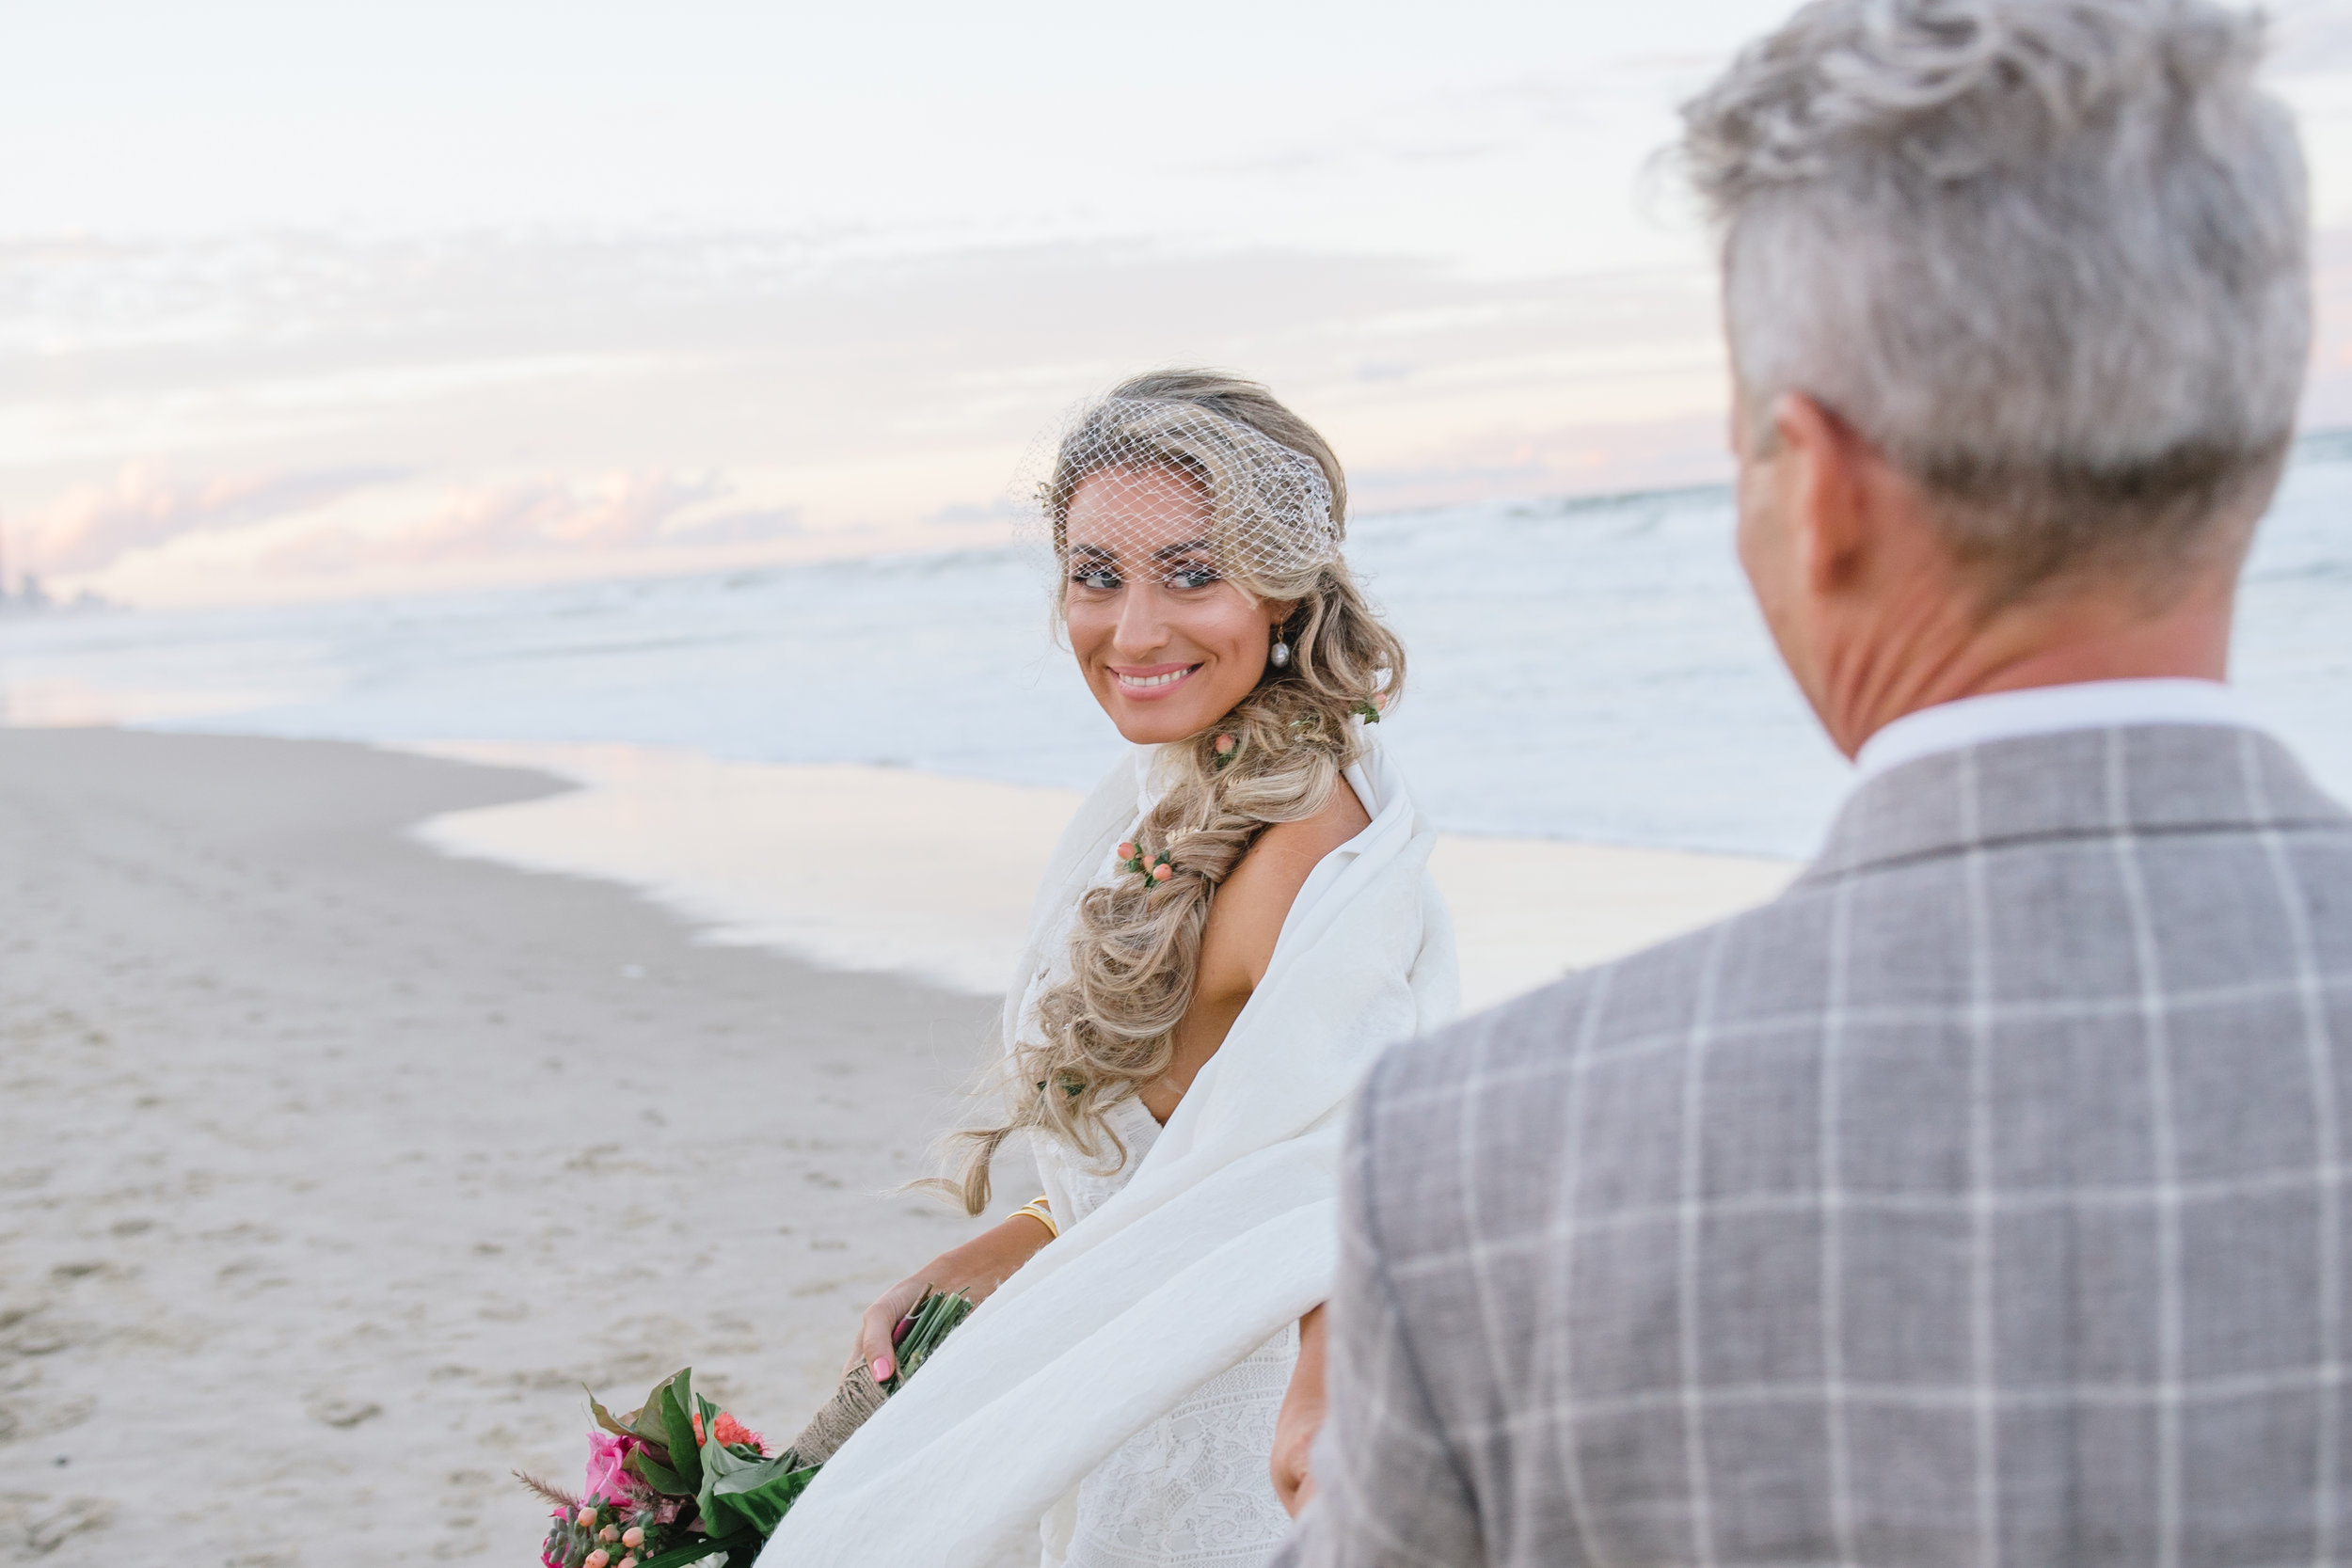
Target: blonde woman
[{"x": 1235, "y": 923}]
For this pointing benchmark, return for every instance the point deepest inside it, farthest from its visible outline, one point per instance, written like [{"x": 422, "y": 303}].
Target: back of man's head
[{"x": 2048, "y": 255}]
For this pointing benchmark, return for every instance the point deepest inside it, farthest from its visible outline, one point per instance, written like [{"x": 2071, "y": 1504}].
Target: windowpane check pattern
[{"x": 1981, "y": 1201}]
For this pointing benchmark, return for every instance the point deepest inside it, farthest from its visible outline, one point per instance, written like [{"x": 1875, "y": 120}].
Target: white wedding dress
[
  {"x": 1192, "y": 1490},
  {"x": 1113, "y": 1403},
  {"x": 1193, "y": 1487}
]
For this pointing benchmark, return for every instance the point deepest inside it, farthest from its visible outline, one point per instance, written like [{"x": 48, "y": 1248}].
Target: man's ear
[{"x": 1830, "y": 514}]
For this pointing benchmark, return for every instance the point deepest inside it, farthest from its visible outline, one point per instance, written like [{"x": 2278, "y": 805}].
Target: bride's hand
[
  {"x": 1301, "y": 1418},
  {"x": 977, "y": 1267}
]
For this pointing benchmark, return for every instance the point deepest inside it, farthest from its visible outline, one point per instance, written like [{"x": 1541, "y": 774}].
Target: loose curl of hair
[{"x": 1109, "y": 1029}]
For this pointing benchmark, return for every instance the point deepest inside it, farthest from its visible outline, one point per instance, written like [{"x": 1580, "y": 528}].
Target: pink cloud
[
  {"x": 622, "y": 511},
  {"x": 616, "y": 512},
  {"x": 93, "y": 526}
]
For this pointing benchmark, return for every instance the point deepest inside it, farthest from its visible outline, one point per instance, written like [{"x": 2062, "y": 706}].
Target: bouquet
[{"x": 678, "y": 1479}]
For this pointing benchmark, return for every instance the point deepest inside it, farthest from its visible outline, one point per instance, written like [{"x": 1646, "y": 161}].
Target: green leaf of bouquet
[
  {"x": 678, "y": 1431},
  {"x": 647, "y": 1416},
  {"x": 718, "y": 1465},
  {"x": 760, "y": 1496},
  {"x": 657, "y": 1474},
  {"x": 604, "y": 1418},
  {"x": 677, "y": 1557}
]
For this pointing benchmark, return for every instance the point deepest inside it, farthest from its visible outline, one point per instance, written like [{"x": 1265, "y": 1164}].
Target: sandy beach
[
  {"x": 330, "y": 1167},
  {"x": 336, "y": 1155}
]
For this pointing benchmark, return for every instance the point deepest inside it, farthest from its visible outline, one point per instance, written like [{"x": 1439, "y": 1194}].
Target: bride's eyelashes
[
  {"x": 1094, "y": 569},
  {"x": 1103, "y": 577}
]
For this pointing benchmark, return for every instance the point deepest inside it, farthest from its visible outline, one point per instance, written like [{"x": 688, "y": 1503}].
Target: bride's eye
[
  {"x": 1192, "y": 574},
  {"x": 1103, "y": 579}
]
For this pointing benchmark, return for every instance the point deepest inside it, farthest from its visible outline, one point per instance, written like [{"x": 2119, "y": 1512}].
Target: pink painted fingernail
[{"x": 881, "y": 1367}]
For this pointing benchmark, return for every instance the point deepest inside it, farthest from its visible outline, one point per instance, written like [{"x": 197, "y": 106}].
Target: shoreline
[{"x": 899, "y": 871}]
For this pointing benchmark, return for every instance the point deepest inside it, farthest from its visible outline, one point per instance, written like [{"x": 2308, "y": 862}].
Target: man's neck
[{"x": 2053, "y": 644}]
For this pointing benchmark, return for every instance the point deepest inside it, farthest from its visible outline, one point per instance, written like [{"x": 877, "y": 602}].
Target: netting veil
[{"x": 1148, "y": 485}]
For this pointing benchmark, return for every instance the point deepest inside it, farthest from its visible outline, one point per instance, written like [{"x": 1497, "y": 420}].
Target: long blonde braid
[{"x": 1109, "y": 1028}]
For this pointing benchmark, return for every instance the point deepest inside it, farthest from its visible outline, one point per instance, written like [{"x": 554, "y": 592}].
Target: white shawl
[{"x": 1225, "y": 1233}]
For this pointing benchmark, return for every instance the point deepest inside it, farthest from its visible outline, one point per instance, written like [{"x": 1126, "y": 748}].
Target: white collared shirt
[{"x": 2050, "y": 710}]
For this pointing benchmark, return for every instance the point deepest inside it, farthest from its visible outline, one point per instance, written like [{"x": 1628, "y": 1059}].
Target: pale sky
[{"x": 306, "y": 299}]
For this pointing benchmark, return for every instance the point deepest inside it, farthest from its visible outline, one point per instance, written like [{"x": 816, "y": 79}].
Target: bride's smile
[
  {"x": 1152, "y": 684},
  {"x": 1168, "y": 641}
]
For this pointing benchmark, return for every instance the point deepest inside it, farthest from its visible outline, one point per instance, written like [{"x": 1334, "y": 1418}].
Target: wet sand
[{"x": 886, "y": 868}]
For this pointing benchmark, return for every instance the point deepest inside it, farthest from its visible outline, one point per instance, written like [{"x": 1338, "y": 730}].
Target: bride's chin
[{"x": 1149, "y": 726}]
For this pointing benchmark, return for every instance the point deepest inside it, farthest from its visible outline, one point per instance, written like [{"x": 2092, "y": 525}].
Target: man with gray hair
[{"x": 1982, "y": 1200}]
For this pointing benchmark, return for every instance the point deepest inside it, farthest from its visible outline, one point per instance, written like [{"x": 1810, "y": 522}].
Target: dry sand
[{"x": 330, "y": 1167}]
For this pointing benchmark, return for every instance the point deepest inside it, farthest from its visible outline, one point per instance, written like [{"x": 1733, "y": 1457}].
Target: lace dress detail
[{"x": 1193, "y": 1487}]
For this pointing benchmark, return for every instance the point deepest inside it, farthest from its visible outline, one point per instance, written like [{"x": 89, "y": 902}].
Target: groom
[{"x": 1983, "y": 1199}]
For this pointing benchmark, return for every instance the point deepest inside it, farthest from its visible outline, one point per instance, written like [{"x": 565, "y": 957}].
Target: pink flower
[
  {"x": 1161, "y": 873},
  {"x": 607, "y": 1478},
  {"x": 1126, "y": 851}
]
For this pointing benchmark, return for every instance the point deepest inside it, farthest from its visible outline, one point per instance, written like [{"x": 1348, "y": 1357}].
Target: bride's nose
[{"x": 1142, "y": 622}]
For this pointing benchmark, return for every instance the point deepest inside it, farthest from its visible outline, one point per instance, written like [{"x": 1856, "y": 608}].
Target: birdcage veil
[{"x": 1154, "y": 482}]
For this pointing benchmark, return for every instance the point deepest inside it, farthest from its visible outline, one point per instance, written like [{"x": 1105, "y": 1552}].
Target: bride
[{"x": 1237, "y": 920}]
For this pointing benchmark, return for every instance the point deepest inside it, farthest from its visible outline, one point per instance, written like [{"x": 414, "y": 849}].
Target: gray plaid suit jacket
[{"x": 1980, "y": 1200}]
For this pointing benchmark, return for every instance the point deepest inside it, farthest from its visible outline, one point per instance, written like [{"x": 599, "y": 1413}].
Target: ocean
[{"x": 1587, "y": 669}]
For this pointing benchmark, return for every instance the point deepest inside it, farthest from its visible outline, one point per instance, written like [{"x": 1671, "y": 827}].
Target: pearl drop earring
[{"x": 1281, "y": 654}]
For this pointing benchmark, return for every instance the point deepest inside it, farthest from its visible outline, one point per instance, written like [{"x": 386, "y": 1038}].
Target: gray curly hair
[{"x": 2048, "y": 255}]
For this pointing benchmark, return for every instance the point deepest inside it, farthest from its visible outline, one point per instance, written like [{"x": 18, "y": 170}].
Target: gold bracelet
[{"x": 1037, "y": 1210}]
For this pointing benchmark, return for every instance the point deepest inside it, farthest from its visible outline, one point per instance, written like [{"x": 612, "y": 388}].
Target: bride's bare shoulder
[
  {"x": 1246, "y": 918},
  {"x": 1343, "y": 817},
  {"x": 1270, "y": 876}
]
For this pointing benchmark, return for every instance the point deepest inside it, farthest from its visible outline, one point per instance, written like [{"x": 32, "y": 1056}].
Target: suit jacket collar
[{"x": 2126, "y": 779}]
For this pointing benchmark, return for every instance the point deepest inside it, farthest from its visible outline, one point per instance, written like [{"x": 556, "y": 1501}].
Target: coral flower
[
  {"x": 1161, "y": 873},
  {"x": 728, "y": 1430},
  {"x": 1126, "y": 851},
  {"x": 1225, "y": 744}
]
